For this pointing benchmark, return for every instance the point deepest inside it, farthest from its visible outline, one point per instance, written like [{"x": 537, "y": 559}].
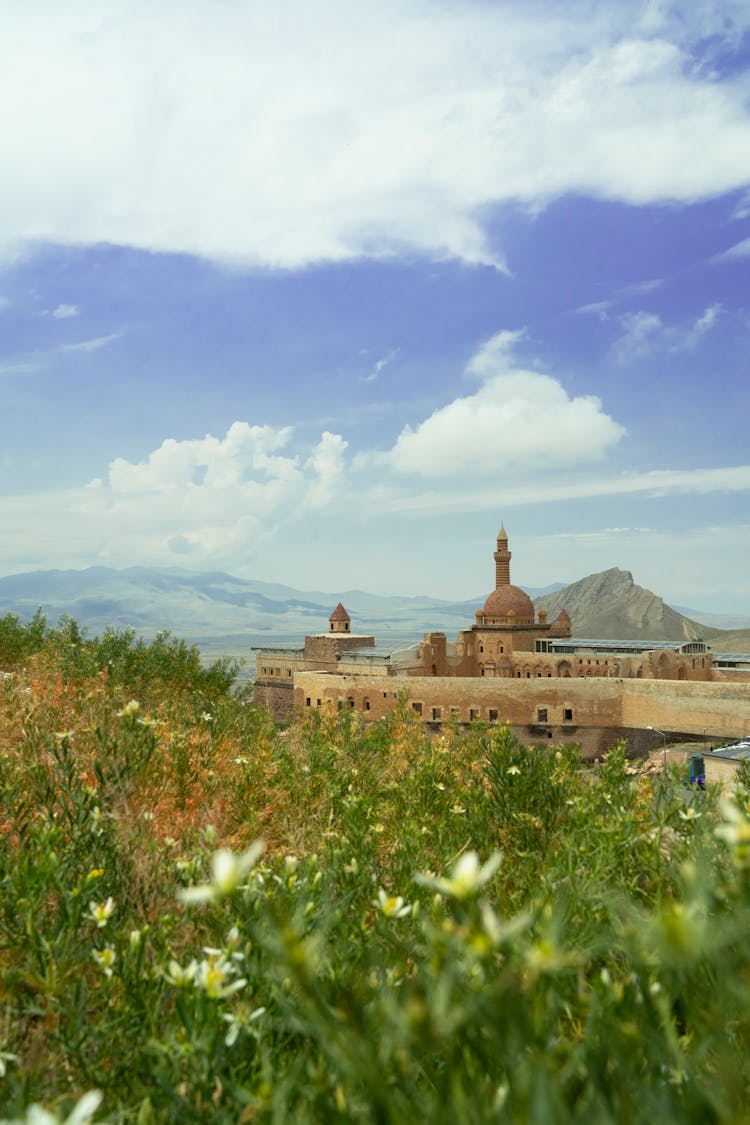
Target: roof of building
[
  {"x": 339, "y": 614},
  {"x": 508, "y": 599},
  {"x": 605, "y": 644},
  {"x": 736, "y": 750}
]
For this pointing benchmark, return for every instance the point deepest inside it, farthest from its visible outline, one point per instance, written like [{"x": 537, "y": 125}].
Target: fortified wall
[{"x": 596, "y": 713}]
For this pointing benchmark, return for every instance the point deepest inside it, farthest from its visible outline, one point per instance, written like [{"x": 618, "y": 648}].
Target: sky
[{"x": 320, "y": 293}]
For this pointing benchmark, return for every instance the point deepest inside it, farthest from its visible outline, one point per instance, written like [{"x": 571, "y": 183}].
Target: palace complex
[{"x": 513, "y": 665}]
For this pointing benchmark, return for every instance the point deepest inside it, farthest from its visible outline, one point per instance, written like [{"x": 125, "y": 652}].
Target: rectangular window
[
  {"x": 417, "y": 707},
  {"x": 567, "y": 715},
  {"x": 307, "y": 701},
  {"x": 473, "y": 713},
  {"x": 541, "y": 715},
  {"x": 437, "y": 714},
  {"x": 493, "y": 715}
]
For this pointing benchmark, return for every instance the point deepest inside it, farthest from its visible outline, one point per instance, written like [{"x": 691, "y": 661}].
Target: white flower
[
  {"x": 5, "y": 1058},
  {"x": 467, "y": 876},
  {"x": 64, "y": 735},
  {"x": 236, "y": 1024},
  {"x": 228, "y": 873},
  {"x": 393, "y": 906},
  {"x": 102, "y": 912},
  {"x": 214, "y": 977},
  {"x": 689, "y": 814},
  {"x": 181, "y": 976},
  {"x": 105, "y": 958},
  {"x": 81, "y": 1113},
  {"x": 513, "y": 770},
  {"x": 132, "y": 707}
]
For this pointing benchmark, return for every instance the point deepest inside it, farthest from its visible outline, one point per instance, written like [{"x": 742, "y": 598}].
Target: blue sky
[{"x": 321, "y": 293}]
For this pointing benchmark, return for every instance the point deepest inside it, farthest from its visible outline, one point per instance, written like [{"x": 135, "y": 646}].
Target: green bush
[{"x": 448, "y": 929}]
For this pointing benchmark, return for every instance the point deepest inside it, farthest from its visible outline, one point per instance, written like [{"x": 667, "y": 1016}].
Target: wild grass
[{"x": 432, "y": 929}]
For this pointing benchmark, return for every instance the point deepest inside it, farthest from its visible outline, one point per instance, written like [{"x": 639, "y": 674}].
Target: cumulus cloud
[
  {"x": 64, "y": 312},
  {"x": 517, "y": 420},
  {"x": 245, "y": 453},
  {"x": 218, "y": 498},
  {"x": 284, "y": 136}
]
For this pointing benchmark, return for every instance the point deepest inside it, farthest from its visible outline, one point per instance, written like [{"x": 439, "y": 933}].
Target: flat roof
[
  {"x": 615, "y": 645},
  {"x": 736, "y": 750}
]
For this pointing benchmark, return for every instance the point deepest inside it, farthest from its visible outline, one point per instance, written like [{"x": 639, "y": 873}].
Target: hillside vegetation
[{"x": 208, "y": 919}]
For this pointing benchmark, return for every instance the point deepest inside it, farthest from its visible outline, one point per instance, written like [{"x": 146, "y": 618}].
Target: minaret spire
[{"x": 502, "y": 559}]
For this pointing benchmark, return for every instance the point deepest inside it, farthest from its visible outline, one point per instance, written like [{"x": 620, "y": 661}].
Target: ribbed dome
[{"x": 509, "y": 599}]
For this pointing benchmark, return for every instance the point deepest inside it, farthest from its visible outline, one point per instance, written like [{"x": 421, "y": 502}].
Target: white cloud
[
  {"x": 283, "y": 136},
  {"x": 519, "y": 421},
  {"x": 601, "y": 308},
  {"x": 247, "y": 452},
  {"x": 654, "y": 484},
  {"x": 92, "y": 345},
  {"x": 641, "y": 332},
  {"x": 494, "y": 356},
  {"x": 645, "y": 333},
  {"x": 64, "y": 312},
  {"x": 380, "y": 364},
  {"x": 40, "y": 359},
  {"x": 739, "y": 250},
  {"x": 257, "y": 502}
]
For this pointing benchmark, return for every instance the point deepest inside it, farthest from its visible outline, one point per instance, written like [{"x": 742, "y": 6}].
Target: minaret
[{"x": 502, "y": 560}]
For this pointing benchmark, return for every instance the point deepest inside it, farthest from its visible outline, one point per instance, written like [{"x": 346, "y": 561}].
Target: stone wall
[
  {"x": 278, "y": 697},
  {"x": 321, "y": 648},
  {"x": 718, "y": 710}
]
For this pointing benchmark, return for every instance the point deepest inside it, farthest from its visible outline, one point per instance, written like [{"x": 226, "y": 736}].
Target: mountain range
[{"x": 215, "y": 609}]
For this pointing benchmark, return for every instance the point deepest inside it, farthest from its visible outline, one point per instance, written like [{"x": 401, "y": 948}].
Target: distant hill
[
  {"x": 611, "y": 605},
  {"x": 220, "y": 611},
  {"x": 216, "y": 605}
]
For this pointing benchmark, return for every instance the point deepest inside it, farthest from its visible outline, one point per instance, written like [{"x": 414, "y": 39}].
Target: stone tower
[
  {"x": 502, "y": 559},
  {"x": 339, "y": 621}
]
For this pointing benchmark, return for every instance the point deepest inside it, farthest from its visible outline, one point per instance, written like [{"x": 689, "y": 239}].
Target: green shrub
[{"x": 448, "y": 929}]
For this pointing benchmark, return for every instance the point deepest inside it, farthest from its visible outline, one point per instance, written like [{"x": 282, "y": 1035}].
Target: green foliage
[
  {"x": 448, "y": 929},
  {"x": 132, "y": 663},
  {"x": 18, "y": 641}
]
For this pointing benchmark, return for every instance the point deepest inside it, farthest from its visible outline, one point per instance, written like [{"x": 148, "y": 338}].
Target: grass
[{"x": 206, "y": 919}]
